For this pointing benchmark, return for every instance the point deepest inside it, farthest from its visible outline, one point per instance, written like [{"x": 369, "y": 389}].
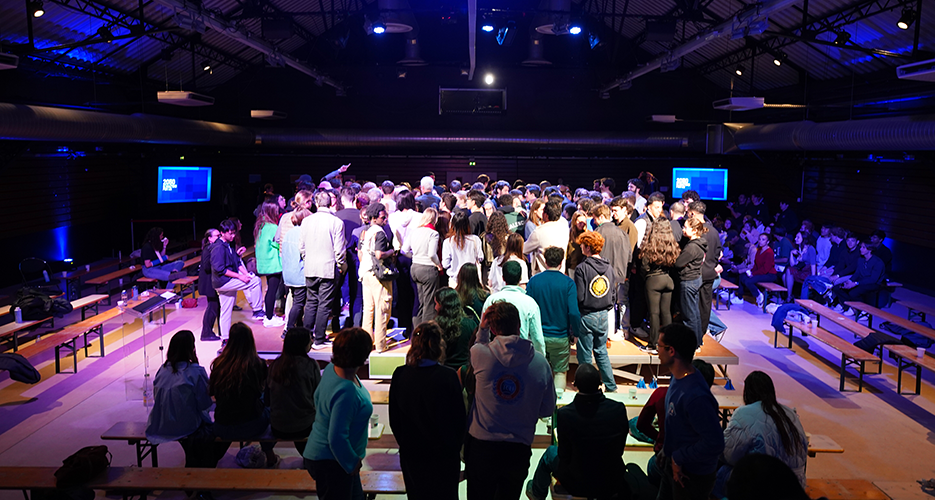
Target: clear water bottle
[
  {"x": 136, "y": 293},
  {"x": 124, "y": 296},
  {"x": 18, "y": 315}
]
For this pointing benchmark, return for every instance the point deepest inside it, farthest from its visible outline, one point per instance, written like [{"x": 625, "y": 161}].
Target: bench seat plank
[
  {"x": 727, "y": 285},
  {"x": 892, "y": 318},
  {"x": 907, "y": 357},
  {"x": 843, "y": 489},
  {"x": 850, "y": 354},
  {"x": 837, "y": 318},
  {"x": 917, "y": 309},
  {"x": 771, "y": 290}
]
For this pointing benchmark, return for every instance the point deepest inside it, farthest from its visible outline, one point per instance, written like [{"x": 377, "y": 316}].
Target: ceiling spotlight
[
  {"x": 487, "y": 28},
  {"x": 36, "y": 8},
  {"x": 906, "y": 19},
  {"x": 739, "y": 70},
  {"x": 841, "y": 37},
  {"x": 105, "y": 33},
  {"x": 379, "y": 27},
  {"x": 574, "y": 29},
  {"x": 777, "y": 62},
  {"x": 488, "y": 78},
  {"x": 205, "y": 65}
]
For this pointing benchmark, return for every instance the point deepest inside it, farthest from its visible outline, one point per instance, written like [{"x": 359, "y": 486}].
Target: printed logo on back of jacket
[{"x": 599, "y": 286}]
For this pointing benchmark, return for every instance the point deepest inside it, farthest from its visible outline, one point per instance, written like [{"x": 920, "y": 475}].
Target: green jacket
[{"x": 267, "y": 251}]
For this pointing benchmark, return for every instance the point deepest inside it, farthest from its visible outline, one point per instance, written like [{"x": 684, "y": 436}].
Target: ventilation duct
[
  {"x": 904, "y": 133},
  {"x": 39, "y": 123},
  {"x": 397, "y": 16},
  {"x": 412, "y": 57}
]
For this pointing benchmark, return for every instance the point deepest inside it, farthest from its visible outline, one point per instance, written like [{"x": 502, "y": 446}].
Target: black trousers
[
  {"x": 319, "y": 295},
  {"x": 352, "y": 286},
  {"x": 705, "y": 297},
  {"x": 298, "y": 306},
  {"x": 659, "y": 288},
  {"x": 212, "y": 312},
  {"x": 332, "y": 482},
  {"x": 431, "y": 478},
  {"x": 273, "y": 284},
  {"x": 495, "y": 469},
  {"x": 404, "y": 296},
  {"x": 426, "y": 281},
  {"x": 637, "y": 296}
]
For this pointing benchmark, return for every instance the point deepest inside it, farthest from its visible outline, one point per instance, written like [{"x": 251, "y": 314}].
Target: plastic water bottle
[
  {"x": 136, "y": 293},
  {"x": 124, "y": 296},
  {"x": 18, "y": 314}
]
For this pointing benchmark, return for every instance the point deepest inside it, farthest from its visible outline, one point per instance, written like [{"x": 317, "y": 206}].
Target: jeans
[
  {"x": 332, "y": 482},
  {"x": 858, "y": 293},
  {"x": 426, "y": 280},
  {"x": 273, "y": 282},
  {"x": 750, "y": 283},
  {"x": 542, "y": 478},
  {"x": 593, "y": 337},
  {"x": 495, "y": 469},
  {"x": 227, "y": 294},
  {"x": 161, "y": 272},
  {"x": 659, "y": 289},
  {"x": 318, "y": 296},
  {"x": 298, "y": 306},
  {"x": 212, "y": 311},
  {"x": 818, "y": 283},
  {"x": 716, "y": 325},
  {"x": 691, "y": 314}
]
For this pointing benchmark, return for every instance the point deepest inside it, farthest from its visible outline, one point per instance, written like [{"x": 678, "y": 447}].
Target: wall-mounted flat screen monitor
[
  {"x": 710, "y": 183},
  {"x": 184, "y": 184}
]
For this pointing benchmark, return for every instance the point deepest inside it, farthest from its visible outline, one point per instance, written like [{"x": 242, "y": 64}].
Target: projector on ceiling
[
  {"x": 8, "y": 61},
  {"x": 739, "y": 103},
  {"x": 267, "y": 114},
  {"x": 924, "y": 71},
  {"x": 183, "y": 98}
]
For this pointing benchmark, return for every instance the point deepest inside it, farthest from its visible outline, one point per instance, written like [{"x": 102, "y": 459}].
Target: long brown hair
[
  {"x": 427, "y": 344},
  {"x": 497, "y": 231},
  {"x": 469, "y": 286},
  {"x": 533, "y": 216},
  {"x": 573, "y": 231},
  {"x": 285, "y": 369},
  {"x": 459, "y": 229},
  {"x": 514, "y": 248},
  {"x": 659, "y": 246},
  {"x": 237, "y": 359},
  {"x": 269, "y": 214}
]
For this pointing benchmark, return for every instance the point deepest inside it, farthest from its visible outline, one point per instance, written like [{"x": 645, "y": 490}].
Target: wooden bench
[
  {"x": 106, "y": 280},
  {"x": 837, "y": 318},
  {"x": 84, "y": 304},
  {"x": 870, "y": 311},
  {"x": 908, "y": 356},
  {"x": 770, "y": 288},
  {"x": 843, "y": 489},
  {"x": 850, "y": 354},
  {"x": 134, "y": 480},
  {"x": 68, "y": 337},
  {"x": 726, "y": 285},
  {"x": 917, "y": 310}
]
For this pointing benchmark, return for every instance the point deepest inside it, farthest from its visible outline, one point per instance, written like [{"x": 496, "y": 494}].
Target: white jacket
[{"x": 751, "y": 430}]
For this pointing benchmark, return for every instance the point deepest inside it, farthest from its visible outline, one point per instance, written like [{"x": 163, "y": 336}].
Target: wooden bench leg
[
  {"x": 146, "y": 449},
  {"x": 860, "y": 384},
  {"x": 918, "y": 379},
  {"x": 99, "y": 331}
]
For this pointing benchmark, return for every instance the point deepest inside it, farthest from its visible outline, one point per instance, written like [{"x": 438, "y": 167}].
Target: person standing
[
  {"x": 513, "y": 390},
  {"x": 378, "y": 294},
  {"x": 428, "y": 418},
  {"x": 710, "y": 269},
  {"x": 338, "y": 441},
  {"x": 350, "y": 216},
  {"x": 694, "y": 440},
  {"x": 229, "y": 276},
  {"x": 689, "y": 264},
  {"x": 206, "y": 288},
  {"x": 552, "y": 233},
  {"x": 529, "y": 313},
  {"x": 596, "y": 285},
  {"x": 322, "y": 237},
  {"x": 268, "y": 261},
  {"x": 618, "y": 253},
  {"x": 558, "y": 298},
  {"x": 422, "y": 247},
  {"x": 657, "y": 257}
]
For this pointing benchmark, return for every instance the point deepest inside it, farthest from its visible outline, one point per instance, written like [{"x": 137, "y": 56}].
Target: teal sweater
[
  {"x": 267, "y": 251},
  {"x": 557, "y": 297},
  {"x": 342, "y": 420}
]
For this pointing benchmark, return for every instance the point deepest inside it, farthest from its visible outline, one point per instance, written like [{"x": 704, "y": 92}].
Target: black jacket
[
  {"x": 205, "y": 281},
  {"x": 223, "y": 259},
  {"x": 616, "y": 248},
  {"x": 691, "y": 259},
  {"x": 592, "y": 434},
  {"x": 596, "y": 285},
  {"x": 712, "y": 253}
]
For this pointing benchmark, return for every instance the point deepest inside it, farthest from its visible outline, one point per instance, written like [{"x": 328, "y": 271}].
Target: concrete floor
[{"x": 887, "y": 437}]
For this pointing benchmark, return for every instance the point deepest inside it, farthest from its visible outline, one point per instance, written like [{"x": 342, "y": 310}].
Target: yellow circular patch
[{"x": 599, "y": 286}]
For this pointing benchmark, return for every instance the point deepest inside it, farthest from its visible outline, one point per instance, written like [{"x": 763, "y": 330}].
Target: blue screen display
[
  {"x": 710, "y": 183},
  {"x": 183, "y": 184}
]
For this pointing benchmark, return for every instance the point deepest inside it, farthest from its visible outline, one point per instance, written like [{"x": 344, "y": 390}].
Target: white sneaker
[
  {"x": 736, "y": 300},
  {"x": 759, "y": 300},
  {"x": 838, "y": 308},
  {"x": 274, "y": 322},
  {"x": 616, "y": 337},
  {"x": 849, "y": 311}
]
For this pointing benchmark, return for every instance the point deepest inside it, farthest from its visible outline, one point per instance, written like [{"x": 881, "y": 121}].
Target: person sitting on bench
[
  {"x": 181, "y": 402},
  {"x": 868, "y": 278},
  {"x": 592, "y": 435},
  {"x": 155, "y": 264}
]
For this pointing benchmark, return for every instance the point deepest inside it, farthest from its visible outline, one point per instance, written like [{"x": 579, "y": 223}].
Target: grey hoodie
[{"x": 514, "y": 389}]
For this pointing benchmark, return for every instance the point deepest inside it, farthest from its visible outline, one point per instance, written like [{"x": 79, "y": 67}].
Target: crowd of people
[{"x": 493, "y": 283}]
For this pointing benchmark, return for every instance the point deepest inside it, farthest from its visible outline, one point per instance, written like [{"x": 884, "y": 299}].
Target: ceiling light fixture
[
  {"x": 777, "y": 62},
  {"x": 488, "y": 78},
  {"x": 575, "y": 29},
  {"x": 36, "y": 8},
  {"x": 105, "y": 33},
  {"x": 739, "y": 70},
  {"x": 487, "y": 28},
  {"x": 841, "y": 37},
  {"x": 379, "y": 28},
  {"x": 906, "y": 19},
  {"x": 205, "y": 65}
]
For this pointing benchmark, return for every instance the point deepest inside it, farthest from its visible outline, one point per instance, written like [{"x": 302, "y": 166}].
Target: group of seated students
[
  {"x": 484, "y": 415},
  {"x": 829, "y": 263}
]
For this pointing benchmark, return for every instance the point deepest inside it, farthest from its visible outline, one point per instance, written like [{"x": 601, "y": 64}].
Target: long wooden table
[
  {"x": 837, "y": 318},
  {"x": 629, "y": 353},
  {"x": 870, "y": 311}
]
